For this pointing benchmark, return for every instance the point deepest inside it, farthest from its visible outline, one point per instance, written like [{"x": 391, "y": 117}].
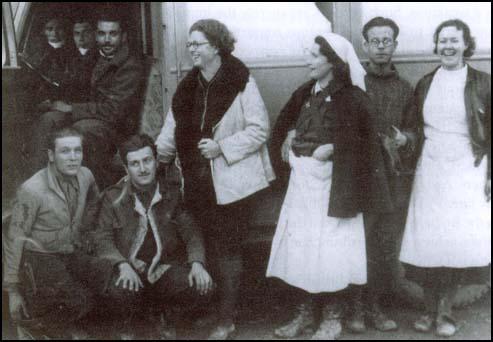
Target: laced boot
[
  {"x": 445, "y": 323},
  {"x": 330, "y": 327},
  {"x": 356, "y": 321},
  {"x": 303, "y": 320},
  {"x": 423, "y": 324},
  {"x": 379, "y": 319}
]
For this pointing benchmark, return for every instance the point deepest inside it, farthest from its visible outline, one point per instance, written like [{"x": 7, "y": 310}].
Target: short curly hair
[
  {"x": 135, "y": 143},
  {"x": 217, "y": 34},
  {"x": 466, "y": 32},
  {"x": 378, "y": 22}
]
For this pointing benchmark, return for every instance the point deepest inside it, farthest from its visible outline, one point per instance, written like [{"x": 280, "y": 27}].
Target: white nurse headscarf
[{"x": 345, "y": 51}]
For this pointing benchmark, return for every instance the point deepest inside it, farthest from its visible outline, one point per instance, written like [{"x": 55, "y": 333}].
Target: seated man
[
  {"x": 144, "y": 231},
  {"x": 49, "y": 58},
  {"x": 112, "y": 113},
  {"x": 47, "y": 275},
  {"x": 81, "y": 63}
]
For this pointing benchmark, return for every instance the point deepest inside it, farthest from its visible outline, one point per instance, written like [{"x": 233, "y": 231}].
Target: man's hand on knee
[
  {"x": 128, "y": 278},
  {"x": 201, "y": 278}
]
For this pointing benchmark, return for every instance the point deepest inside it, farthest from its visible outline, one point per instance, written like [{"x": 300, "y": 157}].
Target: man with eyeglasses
[{"x": 394, "y": 116}]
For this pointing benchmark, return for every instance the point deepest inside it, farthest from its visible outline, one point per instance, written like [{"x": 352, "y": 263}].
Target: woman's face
[
  {"x": 201, "y": 51},
  {"x": 451, "y": 47},
  {"x": 318, "y": 63}
]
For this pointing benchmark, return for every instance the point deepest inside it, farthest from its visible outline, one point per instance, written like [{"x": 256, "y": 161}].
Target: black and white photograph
[{"x": 246, "y": 170}]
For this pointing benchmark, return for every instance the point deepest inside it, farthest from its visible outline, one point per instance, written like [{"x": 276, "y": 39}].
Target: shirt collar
[
  {"x": 56, "y": 45},
  {"x": 333, "y": 87},
  {"x": 83, "y": 51}
]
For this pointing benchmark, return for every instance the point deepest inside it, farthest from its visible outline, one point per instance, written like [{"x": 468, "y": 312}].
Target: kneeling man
[
  {"x": 155, "y": 246},
  {"x": 47, "y": 274}
]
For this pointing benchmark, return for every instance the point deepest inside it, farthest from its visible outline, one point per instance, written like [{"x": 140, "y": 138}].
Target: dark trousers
[
  {"x": 99, "y": 145},
  {"x": 383, "y": 239},
  {"x": 59, "y": 289},
  {"x": 224, "y": 228},
  {"x": 172, "y": 290}
]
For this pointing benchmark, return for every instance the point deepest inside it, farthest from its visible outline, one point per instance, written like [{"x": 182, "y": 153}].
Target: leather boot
[
  {"x": 379, "y": 319},
  {"x": 304, "y": 319},
  {"x": 356, "y": 321},
  {"x": 330, "y": 327}
]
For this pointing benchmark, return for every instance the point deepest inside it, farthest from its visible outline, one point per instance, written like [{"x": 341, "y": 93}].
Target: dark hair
[
  {"x": 135, "y": 143},
  {"x": 64, "y": 23},
  {"x": 378, "y": 22},
  {"x": 217, "y": 34},
  {"x": 112, "y": 15},
  {"x": 81, "y": 20},
  {"x": 341, "y": 69},
  {"x": 62, "y": 133},
  {"x": 466, "y": 32}
]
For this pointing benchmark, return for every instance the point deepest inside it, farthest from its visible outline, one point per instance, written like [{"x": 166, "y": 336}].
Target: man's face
[
  {"x": 67, "y": 155},
  {"x": 109, "y": 37},
  {"x": 380, "y": 45},
  {"x": 84, "y": 35},
  {"x": 141, "y": 166},
  {"x": 54, "y": 31}
]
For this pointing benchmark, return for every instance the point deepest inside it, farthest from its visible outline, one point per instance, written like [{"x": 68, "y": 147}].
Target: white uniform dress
[
  {"x": 449, "y": 220},
  {"x": 311, "y": 250}
]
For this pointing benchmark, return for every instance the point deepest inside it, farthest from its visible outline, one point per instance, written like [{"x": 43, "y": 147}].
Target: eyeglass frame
[
  {"x": 386, "y": 42},
  {"x": 195, "y": 44}
]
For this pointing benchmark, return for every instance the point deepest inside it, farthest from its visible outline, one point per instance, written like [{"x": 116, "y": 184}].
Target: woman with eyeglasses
[
  {"x": 218, "y": 125},
  {"x": 447, "y": 240},
  {"x": 324, "y": 134}
]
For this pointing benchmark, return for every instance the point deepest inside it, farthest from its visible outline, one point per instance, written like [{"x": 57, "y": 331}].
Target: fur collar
[{"x": 231, "y": 79}]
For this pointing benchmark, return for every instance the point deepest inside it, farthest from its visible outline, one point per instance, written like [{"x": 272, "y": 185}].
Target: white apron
[
  {"x": 311, "y": 250},
  {"x": 449, "y": 220}
]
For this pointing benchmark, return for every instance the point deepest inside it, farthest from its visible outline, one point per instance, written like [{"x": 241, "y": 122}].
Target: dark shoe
[
  {"x": 380, "y": 320},
  {"x": 446, "y": 327},
  {"x": 165, "y": 330},
  {"x": 222, "y": 332},
  {"x": 423, "y": 324},
  {"x": 303, "y": 320},
  {"x": 356, "y": 323},
  {"x": 205, "y": 321}
]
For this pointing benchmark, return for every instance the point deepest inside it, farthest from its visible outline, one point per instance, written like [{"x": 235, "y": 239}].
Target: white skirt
[
  {"x": 449, "y": 220},
  {"x": 311, "y": 250}
]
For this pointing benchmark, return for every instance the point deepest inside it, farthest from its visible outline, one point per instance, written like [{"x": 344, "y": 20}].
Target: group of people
[
  {"x": 94, "y": 83},
  {"x": 367, "y": 160}
]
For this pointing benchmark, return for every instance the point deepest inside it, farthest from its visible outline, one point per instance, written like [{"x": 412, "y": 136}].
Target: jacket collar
[
  {"x": 104, "y": 64},
  {"x": 51, "y": 174},
  {"x": 230, "y": 79},
  {"x": 392, "y": 73},
  {"x": 139, "y": 207}
]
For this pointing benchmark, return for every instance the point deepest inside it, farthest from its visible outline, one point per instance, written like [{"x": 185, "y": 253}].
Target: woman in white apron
[
  {"x": 447, "y": 239},
  {"x": 319, "y": 244}
]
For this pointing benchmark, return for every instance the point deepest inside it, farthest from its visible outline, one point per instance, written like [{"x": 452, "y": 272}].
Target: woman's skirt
[
  {"x": 449, "y": 219},
  {"x": 311, "y": 250}
]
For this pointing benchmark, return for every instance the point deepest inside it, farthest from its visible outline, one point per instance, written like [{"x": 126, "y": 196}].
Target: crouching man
[
  {"x": 155, "y": 246},
  {"x": 48, "y": 276}
]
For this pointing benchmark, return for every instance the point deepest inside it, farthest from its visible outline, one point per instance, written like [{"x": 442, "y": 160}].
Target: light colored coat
[
  {"x": 41, "y": 219},
  {"x": 244, "y": 166}
]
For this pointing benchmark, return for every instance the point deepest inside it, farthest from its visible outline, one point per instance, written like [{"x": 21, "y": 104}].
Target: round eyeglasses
[{"x": 195, "y": 44}]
